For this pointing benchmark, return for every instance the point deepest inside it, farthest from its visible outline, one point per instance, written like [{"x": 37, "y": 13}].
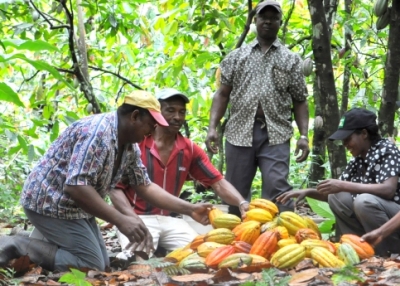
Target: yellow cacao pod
[
  {"x": 235, "y": 260},
  {"x": 269, "y": 225},
  {"x": 229, "y": 221},
  {"x": 180, "y": 253},
  {"x": 292, "y": 221},
  {"x": 264, "y": 204},
  {"x": 325, "y": 258},
  {"x": 220, "y": 235},
  {"x": 288, "y": 256},
  {"x": 193, "y": 261},
  {"x": 197, "y": 241},
  {"x": 206, "y": 248},
  {"x": 311, "y": 224},
  {"x": 260, "y": 215},
  {"x": 286, "y": 241},
  {"x": 310, "y": 244},
  {"x": 282, "y": 232},
  {"x": 306, "y": 233},
  {"x": 213, "y": 214},
  {"x": 258, "y": 263}
]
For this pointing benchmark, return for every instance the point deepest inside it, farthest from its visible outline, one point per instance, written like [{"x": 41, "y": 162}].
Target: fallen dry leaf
[
  {"x": 304, "y": 276},
  {"x": 143, "y": 271},
  {"x": 304, "y": 264},
  {"x": 197, "y": 277},
  {"x": 391, "y": 264}
]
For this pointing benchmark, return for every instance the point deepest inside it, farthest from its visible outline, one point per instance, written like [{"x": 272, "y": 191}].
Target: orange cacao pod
[
  {"x": 257, "y": 264},
  {"x": 241, "y": 246},
  {"x": 245, "y": 225},
  {"x": 212, "y": 214},
  {"x": 197, "y": 241},
  {"x": 219, "y": 254},
  {"x": 249, "y": 235},
  {"x": 206, "y": 248},
  {"x": 363, "y": 248},
  {"x": 282, "y": 232},
  {"x": 311, "y": 224},
  {"x": 266, "y": 244},
  {"x": 305, "y": 233}
]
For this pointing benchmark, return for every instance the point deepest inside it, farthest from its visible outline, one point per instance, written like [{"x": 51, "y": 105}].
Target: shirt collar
[{"x": 275, "y": 44}]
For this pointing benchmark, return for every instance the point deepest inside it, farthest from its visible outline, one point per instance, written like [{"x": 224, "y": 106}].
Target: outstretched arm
[{"x": 376, "y": 236}]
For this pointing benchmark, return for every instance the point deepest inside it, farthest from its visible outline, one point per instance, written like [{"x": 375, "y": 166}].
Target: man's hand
[
  {"x": 243, "y": 209},
  {"x": 212, "y": 140},
  {"x": 331, "y": 186},
  {"x": 299, "y": 194},
  {"x": 302, "y": 144},
  {"x": 373, "y": 237},
  {"x": 137, "y": 233},
  {"x": 200, "y": 211}
]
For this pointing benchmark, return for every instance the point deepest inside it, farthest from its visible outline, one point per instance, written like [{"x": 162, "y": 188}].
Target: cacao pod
[
  {"x": 380, "y": 7},
  {"x": 220, "y": 235},
  {"x": 292, "y": 221},
  {"x": 282, "y": 232},
  {"x": 347, "y": 254},
  {"x": 206, "y": 248},
  {"x": 288, "y": 256},
  {"x": 89, "y": 107},
  {"x": 213, "y": 214},
  {"x": 286, "y": 241},
  {"x": 325, "y": 258},
  {"x": 219, "y": 254},
  {"x": 363, "y": 248},
  {"x": 259, "y": 215},
  {"x": 266, "y": 244},
  {"x": 197, "y": 241},
  {"x": 309, "y": 244},
  {"x": 311, "y": 224},
  {"x": 35, "y": 15},
  {"x": 318, "y": 122},
  {"x": 305, "y": 233},
  {"x": 258, "y": 263},
  {"x": 193, "y": 262},
  {"x": 384, "y": 20},
  {"x": 264, "y": 204},
  {"x": 241, "y": 246},
  {"x": 180, "y": 253},
  {"x": 269, "y": 225},
  {"x": 236, "y": 260},
  {"x": 307, "y": 66},
  {"x": 229, "y": 221},
  {"x": 245, "y": 225},
  {"x": 249, "y": 235}
]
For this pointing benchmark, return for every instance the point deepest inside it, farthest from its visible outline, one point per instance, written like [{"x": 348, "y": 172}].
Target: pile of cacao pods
[
  {"x": 266, "y": 238},
  {"x": 382, "y": 11}
]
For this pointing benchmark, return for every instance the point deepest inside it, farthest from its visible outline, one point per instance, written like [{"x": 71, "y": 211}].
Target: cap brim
[
  {"x": 184, "y": 97},
  {"x": 341, "y": 134},
  {"x": 159, "y": 118}
]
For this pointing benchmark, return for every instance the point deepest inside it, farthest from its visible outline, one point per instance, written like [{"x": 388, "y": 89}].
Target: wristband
[
  {"x": 242, "y": 203},
  {"x": 304, "y": 137}
]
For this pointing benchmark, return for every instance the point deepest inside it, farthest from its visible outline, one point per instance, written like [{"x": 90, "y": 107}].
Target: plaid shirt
[
  {"x": 84, "y": 154},
  {"x": 274, "y": 79}
]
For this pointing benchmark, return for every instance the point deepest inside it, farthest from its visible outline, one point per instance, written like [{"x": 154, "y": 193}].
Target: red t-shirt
[{"x": 187, "y": 161}]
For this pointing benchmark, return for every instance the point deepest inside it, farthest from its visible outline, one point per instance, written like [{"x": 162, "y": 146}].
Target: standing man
[
  {"x": 172, "y": 159},
  {"x": 65, "y": 190},
  {"x": 263, "y": 83}
]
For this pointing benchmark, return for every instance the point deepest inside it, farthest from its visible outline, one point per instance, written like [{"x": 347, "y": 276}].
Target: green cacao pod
[
  {"x": 193, "y": 261},
  {"x": 348, "y": 254},
  {"x": 380, "y": 7},
  {"x": 307, "y": 66},
  {"x": 220, "y": 235},
  {"x": 236, "y": 260},
  {"x": 229, "y": 221},
  {"x": 384, "y": 20}
]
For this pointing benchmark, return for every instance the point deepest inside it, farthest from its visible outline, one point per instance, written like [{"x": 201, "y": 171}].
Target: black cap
[
  {"x": 170, "y": 92},
  {"x": 266, "y": 3},
  {"x": 356, "y": 118}
]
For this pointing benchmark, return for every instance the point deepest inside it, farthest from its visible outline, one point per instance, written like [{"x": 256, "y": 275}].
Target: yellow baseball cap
[{"x": 146, "y": 100}]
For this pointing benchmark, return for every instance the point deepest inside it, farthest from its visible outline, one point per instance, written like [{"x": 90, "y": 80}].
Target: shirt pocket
[{"x": 281, "y": 78}]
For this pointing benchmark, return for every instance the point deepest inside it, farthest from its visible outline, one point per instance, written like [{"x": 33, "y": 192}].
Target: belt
[{"x": 263, "y": 122}]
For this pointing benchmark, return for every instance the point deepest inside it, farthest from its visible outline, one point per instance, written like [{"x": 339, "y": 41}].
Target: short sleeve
[
  {"x": 201, "y": 168},
  {"x": 388, "y": 166},
  {"x": 88, "y": 159},
  {"x": 297, "y": 84},
  {"x": 228, "y": 66},
  {"x": 135, "y": 173}
]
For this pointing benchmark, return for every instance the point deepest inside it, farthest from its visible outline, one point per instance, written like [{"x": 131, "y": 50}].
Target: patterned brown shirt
[{"x": 274, "y": 79}]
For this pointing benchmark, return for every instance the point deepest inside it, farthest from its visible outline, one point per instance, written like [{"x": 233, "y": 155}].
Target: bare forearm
[
  {"x": 160, "y": 198},
  {"x": 121, "y": 203},
  {"x": 219, "y": 105},
  {"x": 314, "y": 194},
  {"x": 301, "y": 116},
  {"x": 391, "y": 226},
  {"x": 227, "y": 192},
  {"x": 385, "y": 190},
  {"x": 90, "y": 201}
]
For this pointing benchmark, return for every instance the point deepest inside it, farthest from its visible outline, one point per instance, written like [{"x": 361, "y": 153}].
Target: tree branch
[
  {"x": 65, "y": 70},
  {"x": 117, "y": 75},
  {"x": 285, "y": 24},
  {"x": 299, "y": 41},
  {"x": 52, "y": 27},
  {"x": 250, "y": 16}
]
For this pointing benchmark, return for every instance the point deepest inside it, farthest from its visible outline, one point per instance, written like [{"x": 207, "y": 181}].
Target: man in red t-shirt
[{"x": 171, "y": 159}]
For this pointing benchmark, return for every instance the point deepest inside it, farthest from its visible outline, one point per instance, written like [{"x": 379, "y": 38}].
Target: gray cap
[
  {"x": 266, "y": 3},
  {"x": 170, "y": 92}
]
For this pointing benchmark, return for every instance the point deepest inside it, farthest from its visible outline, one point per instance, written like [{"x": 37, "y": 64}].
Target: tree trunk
[
  {"x": 326, "y": 84},
  {"x": 392, "y": 70}
]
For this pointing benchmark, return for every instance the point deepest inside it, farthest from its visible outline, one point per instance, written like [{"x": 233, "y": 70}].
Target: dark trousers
[{"x": 273, "y": 161}]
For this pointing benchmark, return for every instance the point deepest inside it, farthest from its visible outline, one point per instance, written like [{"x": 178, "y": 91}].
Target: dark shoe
[{"x": 40, "y": 252}]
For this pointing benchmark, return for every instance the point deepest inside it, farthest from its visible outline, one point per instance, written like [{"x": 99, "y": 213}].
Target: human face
[
  {"x": 268, "y": 22},
  {"x": 174, "y": 112},
  {"x": 357, "y": 143},
  {"x": 143, "y": 125}
]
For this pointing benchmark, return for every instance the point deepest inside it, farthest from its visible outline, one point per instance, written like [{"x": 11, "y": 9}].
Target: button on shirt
[
  {"x": 84, "y": 154},
  {"x": 274, "y": 79},
  {"x": 381, "y": 163}
]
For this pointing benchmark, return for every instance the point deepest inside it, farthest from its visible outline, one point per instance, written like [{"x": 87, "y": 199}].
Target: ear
[
  {"x": 134, "y": 116},
  {"x": 364, "y": 134}
]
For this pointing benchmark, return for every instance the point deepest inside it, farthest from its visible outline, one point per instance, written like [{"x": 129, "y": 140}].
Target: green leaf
[
  {"x": 31, "y": 153},
  {"x": 320, "y": 208},
  {"x": 55, "y": 131},
  {"x": 7, "y": 94},
  {"x": 37, "y": 45},
  {"x": 112, "y": 20},
  {"x": 326, "y": 226},
  {"x": 22, "y": 143}
]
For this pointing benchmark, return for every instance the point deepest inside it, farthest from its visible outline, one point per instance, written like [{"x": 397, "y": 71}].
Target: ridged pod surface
[
  {"x": 380, "y": 7},
  {"x": 266, "y": 244},
  {"x": 307, "y": 66},
  {"x": 260, "y": 215},
  {"x": 363, "y": 248},
  {"x": 245, "y": 225},
  {"x": 206, "y": 248},
  {"x": 249, "y": 235},
  {"x": 306, "y": 233},
  {"x": 282, "y": 232},
  {"x": 180, "y": 253},
  {"x": 193, "y": 261},
  {"x": 269, "y": 225},
  {"x": 229, "y": 221},
  {"x": 264, "y": 204},
  {"x": 292, "y": 221},
  {"x": 310, "y": 244},
  {"x": 311, "y": 224},
  {"x": 214, "y": 213},
  {"x": 219, "y": 254},
  {"x": 220, "y": 235},
  {"x": 288, "y": 256},
  {"x": 236, "y": 260},
  {"x": 241, "y": 246},
  {"x": 325, "y": 258},
  {"x": 286, "y": 241},
  {"x": 347, "y": 254},
  {"x": 197, "y": 241},
  {"x": 258, "y": 263},
  {"x": 383, "y": 21}
]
